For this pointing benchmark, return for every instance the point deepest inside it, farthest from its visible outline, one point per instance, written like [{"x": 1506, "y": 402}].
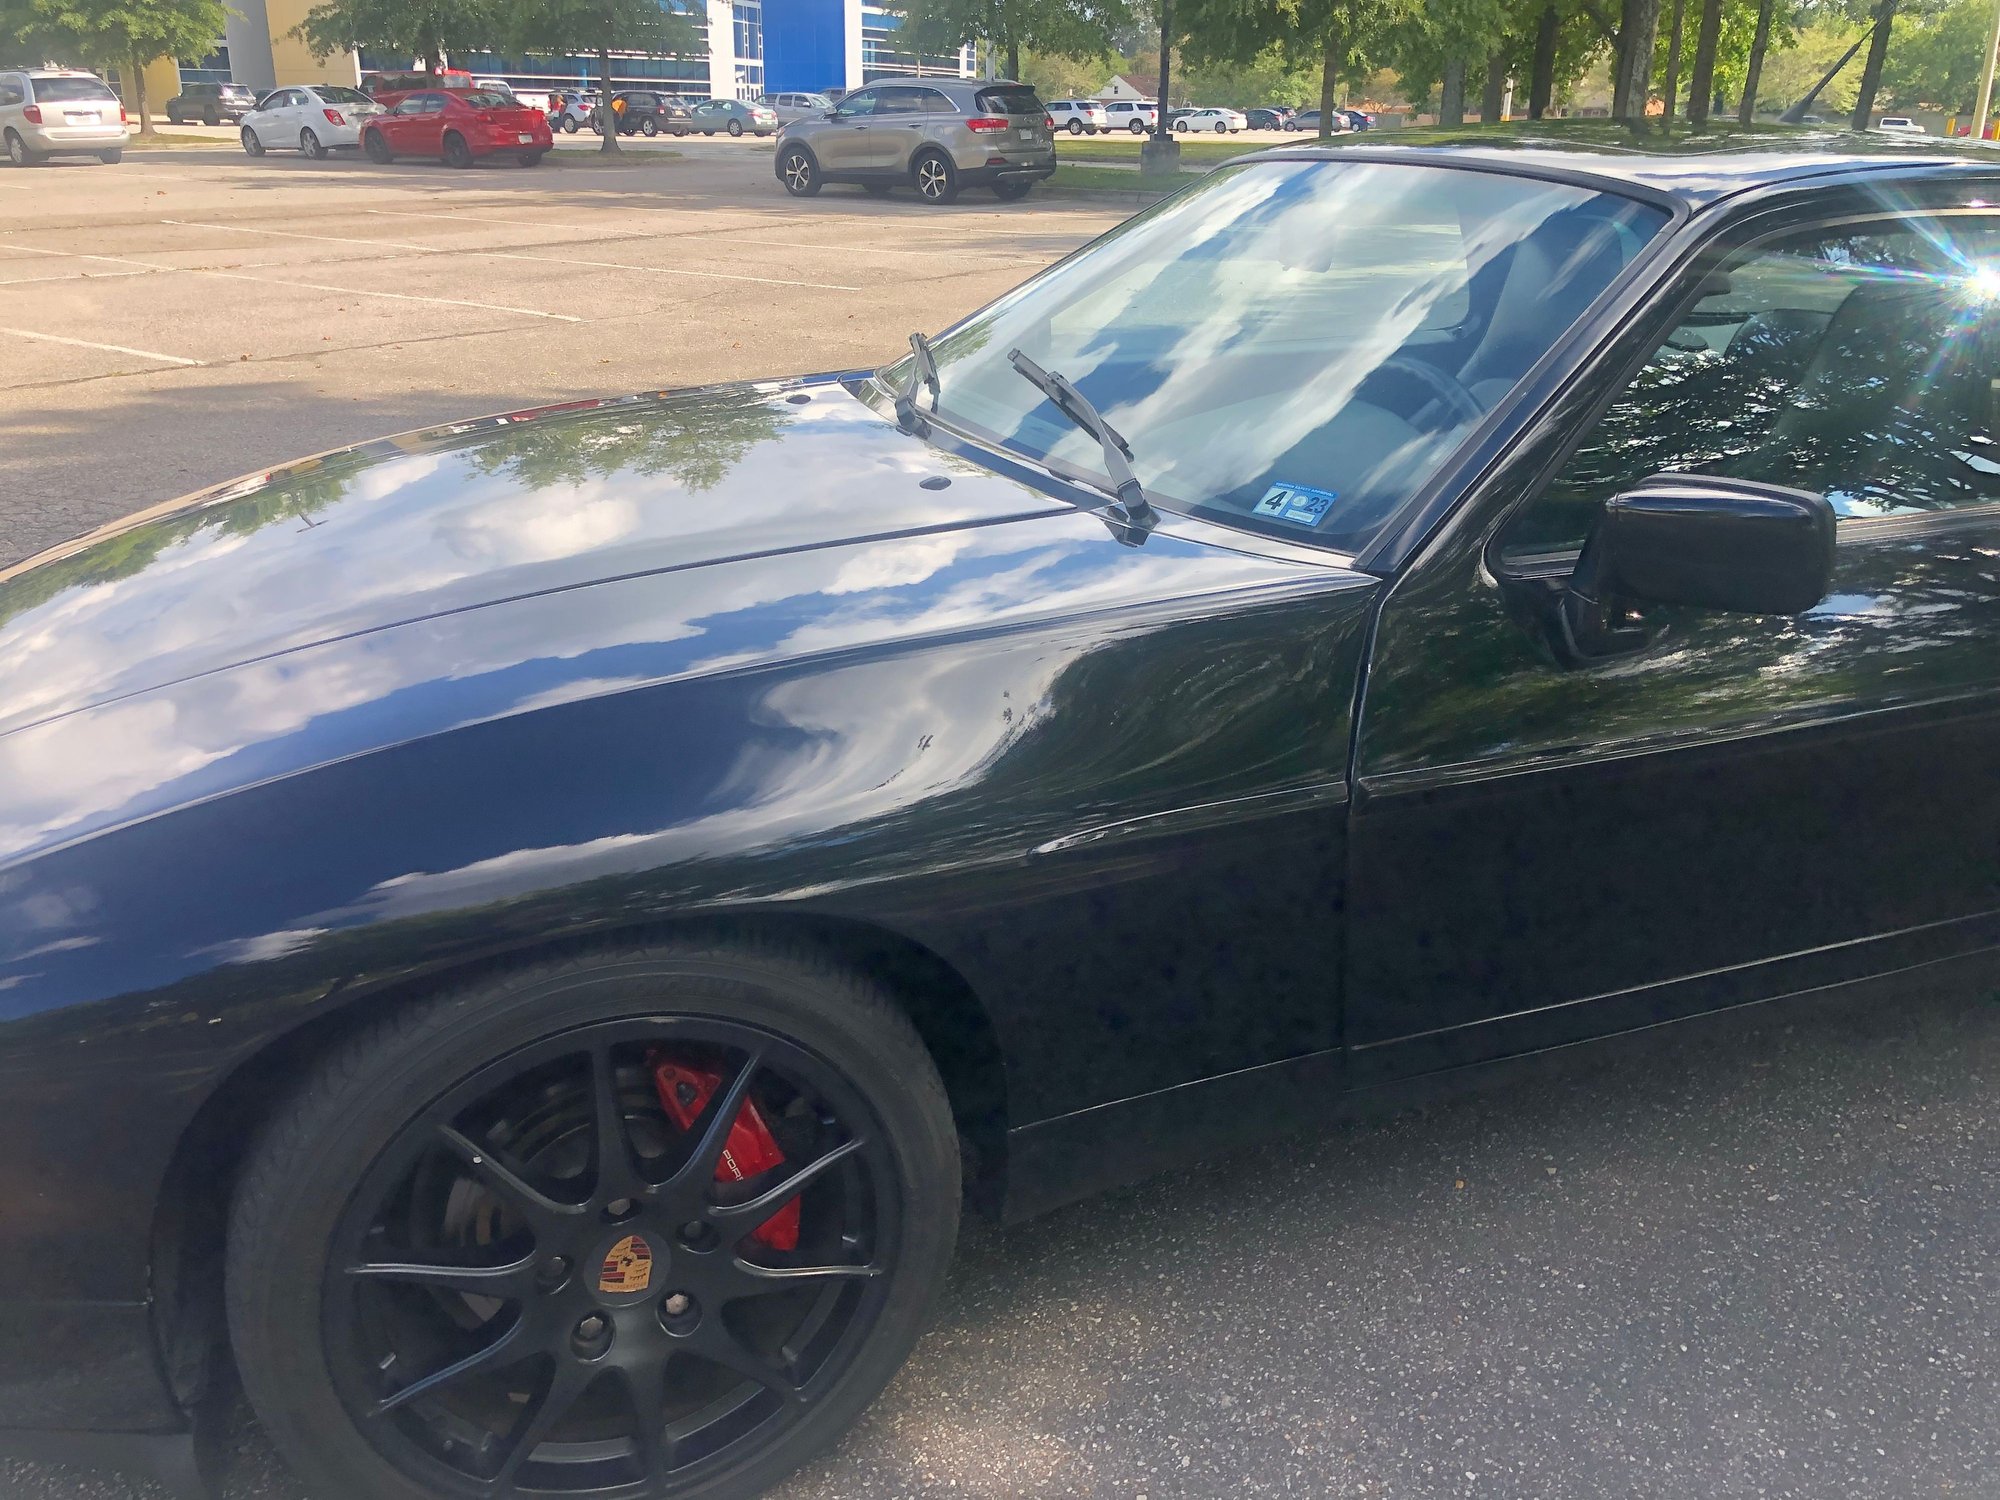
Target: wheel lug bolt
[
  {"x": 553, "y": 1273},
  {"x": 677, "y": 1304},
  {"x": 590, "y": 1327},
  {"x": 618, "y": 1208}
]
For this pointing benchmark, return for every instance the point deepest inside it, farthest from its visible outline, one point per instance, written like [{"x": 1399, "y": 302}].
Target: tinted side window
[
  {"x": 936, "y": 102},
  {"x": 898, "y": 101},
  {"x": 1859, "y": 363},
  {"x": 11, "y": 91},
  {"x": 860, "y": 102}
]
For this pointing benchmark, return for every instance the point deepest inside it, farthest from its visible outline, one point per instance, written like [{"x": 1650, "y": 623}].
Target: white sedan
[
  {"x": 1221, "y": 121},
  {"x": 310, "y": 118}
]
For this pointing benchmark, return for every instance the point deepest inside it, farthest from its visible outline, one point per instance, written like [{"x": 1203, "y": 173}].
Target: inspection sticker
[{"x": 1296, "y": 503}]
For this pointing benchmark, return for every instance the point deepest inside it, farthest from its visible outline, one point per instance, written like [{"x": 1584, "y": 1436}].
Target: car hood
[{"x": 469, "y": 515}]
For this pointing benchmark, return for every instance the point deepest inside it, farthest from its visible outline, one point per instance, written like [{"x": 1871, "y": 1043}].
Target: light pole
[{"x": 1986, "y": 77}]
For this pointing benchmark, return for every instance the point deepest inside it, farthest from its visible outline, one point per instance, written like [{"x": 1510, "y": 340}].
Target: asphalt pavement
[{"x": 1753, "y": 1261}]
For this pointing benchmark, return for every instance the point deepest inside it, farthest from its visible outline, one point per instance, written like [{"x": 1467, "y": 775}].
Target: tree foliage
[
  {"x": 1934, "y": 56},
  {"x": 602, "y": 27},
  {"x": 1065, "y": 28},
  {"x": 107, "y": 34},
  {"x": 421, "y": 29}
]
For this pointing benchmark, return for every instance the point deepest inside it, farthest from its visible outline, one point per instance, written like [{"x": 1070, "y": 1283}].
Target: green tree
[
  {"x": 602, "y": 27},
  {"x": 1066, "y": 28},
  {"x": 423, "y": 29},
  {"x": 1343, "y": 39},
  {"x": 1934, "y": 57},
  {"x": 1821, "y": 41},
  {"x": 121, "y": 34}
]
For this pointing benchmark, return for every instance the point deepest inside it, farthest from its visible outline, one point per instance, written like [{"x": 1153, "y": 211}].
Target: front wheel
[
  {"x": 935, "y": 177},
  {"x": 800, "y": 173},
  {"x": 736, "y": 127},
  {"x": 1137, "y": 127},
  {"x": 660, "y": 1221},
  {"x": 456, "y": 152},
  {"x": 310, "y": 145},
  {"x": 649, "y": 126},
  {"x": 1076, "y": 127},
  {"x": 251, "y": 145},
  {"x": 377, "y": 148}
]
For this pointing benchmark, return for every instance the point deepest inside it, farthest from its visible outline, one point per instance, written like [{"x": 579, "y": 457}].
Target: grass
[
  {"x": 164, "y": 139},
  {"x": 1069, "y": 175}
]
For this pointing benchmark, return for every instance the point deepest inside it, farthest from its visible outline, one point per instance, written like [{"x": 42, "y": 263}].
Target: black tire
[
  {"x": 172, "y": 118},
  {"x": 457, "y": 154},
  {"x": 569, "y": 125},
  {"x": 1222, "y": 127},
  {"x": 799, "y": 171},
  {"x": 20, "y": 153},
  {"x": 397, "y": 1087},
  {"x": 210, "y": 117},
  {"x": 1137, "y": 127},
  {"x": 1075, "y": 126},
  {"x": 1012, "y": 192},
  {"x": 251, "y": 145},
  {"x": 934, "y": 177},
  {"x": 1181, "y": 126},
  {"x": 649, "y": 126},
  {"x": 377, "y": 148},
  {"x": 877, "y": 189},
  {"x": 708, "y": 131},
  {"x": 736, "y": 127},
  {"x": 531, "y": 158},
  {"x": 112, "y": 157},
  {"x": 310, "y": 145}
]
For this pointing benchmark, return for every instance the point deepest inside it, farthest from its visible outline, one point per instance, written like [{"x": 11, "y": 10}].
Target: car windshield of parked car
[
  {"x": 333, "y": 93},
  {"x": 72, "y": 91},
  {"x": 490, "y": 99},
  {"x": 1294, "y": 346}
]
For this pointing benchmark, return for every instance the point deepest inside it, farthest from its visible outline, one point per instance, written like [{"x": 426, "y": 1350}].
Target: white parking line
[
  {"x": 51, "y": 338},
  {"x": 71, "y": 276},
  {"x": 289, "y": 234}
]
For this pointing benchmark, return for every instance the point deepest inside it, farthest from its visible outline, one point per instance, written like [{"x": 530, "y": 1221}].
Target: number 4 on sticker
[{"x": 1299, "y": 504}]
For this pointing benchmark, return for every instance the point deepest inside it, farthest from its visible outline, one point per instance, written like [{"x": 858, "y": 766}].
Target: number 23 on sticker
[{"x": 1299, "y": 504}]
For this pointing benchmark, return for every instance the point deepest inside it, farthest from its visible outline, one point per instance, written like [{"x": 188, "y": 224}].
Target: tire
[
  {"x": 708, "y": 131},
  {"x": 410, "y": 1102},
  {"x": 309, "y": 145},
  {"x": 112, "y": 157},
  {"x": 1222, "y": 127},
  {"x": 172, "y": 118},
  {"x": 799, "y": 171},
  {"x": 649, "y": 126},
  {"x": 1137, "y": 127},
  {"x": 457, "y": 154},
  {"x": 569, "y": 125},
  {"x": 377, "y": 148},
  {"x": 934, "y": 177},
  {"x": 1012, "y": 192},
  {"x": 736, "y": 127},
  {"x": 19, "y": 152},
  {"x": 1181, "y": 126},
  {"x": 1076, "y": 127},
  {"x": 210, "y": 117},
  {"x": 531, "y": 158},
  {"x": 877, "y": 189},
  {"x": 251, "y": 145}
]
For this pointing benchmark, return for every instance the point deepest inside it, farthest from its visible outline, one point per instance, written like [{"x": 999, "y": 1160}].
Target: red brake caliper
[{"x": 751, "y": 1149}]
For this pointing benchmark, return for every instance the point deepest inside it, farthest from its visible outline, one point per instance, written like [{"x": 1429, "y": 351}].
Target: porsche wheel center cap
[{"x": 627, "y": 1268}]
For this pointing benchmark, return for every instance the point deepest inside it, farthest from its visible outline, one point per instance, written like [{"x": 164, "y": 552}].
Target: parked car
[
  {"x": 1900, "y": 125},
  {"x": 647, "y": 112},
  {"x": 1214, "y": 121},
  {"x": 734, "y": 116},
  {"x": 1308, "y": 120},
  {"x": 1079, "y": 116},
  {"x": 458, "y": 127},
  {"x": 1602, "y": 633},
  {"x": 48, "y": 112},
  {"x": 577, "y": 112},
  {"x": 936, "y": 136},
  {"x": 390, "y": 87},
  {"x": 1270, "y": 118},
  {"x": 1136, "y": 115},
  {"x": 790, "y": 107},
  {"x": 314, "y": 118},
  {"x": 496, "y": 86},
  {"x": 1359, "y": 119},
  {"x": 210, "y": 103}
]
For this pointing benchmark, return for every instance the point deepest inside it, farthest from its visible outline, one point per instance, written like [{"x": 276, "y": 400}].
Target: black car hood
[{"x": 467, "y": 515}]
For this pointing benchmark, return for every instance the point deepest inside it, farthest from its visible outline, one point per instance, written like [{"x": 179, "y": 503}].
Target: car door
[
  {"x": 841, "y": 145},
  {"x": 426, "y": 125},
  {"x": 1549, "y": 846},
  {"x": 286, "y": 113}
]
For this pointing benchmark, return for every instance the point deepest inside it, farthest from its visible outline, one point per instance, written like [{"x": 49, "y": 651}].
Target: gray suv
[{"x": 937, "y": 136}]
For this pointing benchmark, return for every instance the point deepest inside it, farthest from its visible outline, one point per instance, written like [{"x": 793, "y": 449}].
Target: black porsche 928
[{"x": 522, "y": 937}]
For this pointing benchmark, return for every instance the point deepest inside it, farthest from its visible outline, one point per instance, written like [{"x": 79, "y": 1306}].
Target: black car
[
  {"x": 1277, "y": 117},
  {"x": 211, "y": 103},
  {"x": 648, "y": 112},
  {"x": 529, "y": 964}
]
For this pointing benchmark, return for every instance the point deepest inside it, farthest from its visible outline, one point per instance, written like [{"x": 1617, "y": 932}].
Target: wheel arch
[{"x": 191, "y": 1211}]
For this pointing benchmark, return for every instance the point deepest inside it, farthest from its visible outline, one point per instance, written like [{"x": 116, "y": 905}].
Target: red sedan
[{"x": 459, "y": 125}]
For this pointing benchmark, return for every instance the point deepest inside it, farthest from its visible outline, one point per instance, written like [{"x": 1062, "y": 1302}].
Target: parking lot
[{"x": 1758, "y": 1263}]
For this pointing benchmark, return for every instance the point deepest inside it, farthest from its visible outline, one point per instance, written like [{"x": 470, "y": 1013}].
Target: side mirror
[{"x": 1701, "y": 542}]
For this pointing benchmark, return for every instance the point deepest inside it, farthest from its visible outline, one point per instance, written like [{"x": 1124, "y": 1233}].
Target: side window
[
  {"x": 897, "y": 101},
  {"x": 860, "y": 102},
  {"x": 936, "y": 103},
  {"x": 11, "y": 92},
  {"x": 1861, "y": 363}
]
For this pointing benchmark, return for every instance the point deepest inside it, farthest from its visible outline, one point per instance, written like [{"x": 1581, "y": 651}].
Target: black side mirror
[{"x": 1701, "y": 542}]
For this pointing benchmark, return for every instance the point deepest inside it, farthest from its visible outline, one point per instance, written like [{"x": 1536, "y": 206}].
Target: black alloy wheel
[
  {"x": 457, "y": 153},
  {"x": 655, "y": 1224}
]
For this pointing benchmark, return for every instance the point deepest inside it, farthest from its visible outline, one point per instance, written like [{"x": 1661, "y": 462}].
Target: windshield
[
  {"x": 488, "y": 99},
  {"x": 71, "y": 90},
  {"x": 333, "y": 93},
  {"x": 1295, "y": 346}
]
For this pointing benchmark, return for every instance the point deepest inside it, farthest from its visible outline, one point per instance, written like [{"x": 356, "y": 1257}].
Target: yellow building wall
[
  {"x": 163, "y": 81},
  {"x": 291, "y": 60}
]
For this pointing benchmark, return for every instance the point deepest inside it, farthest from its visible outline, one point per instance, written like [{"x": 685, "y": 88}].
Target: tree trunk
[
  {"x": 1670, "y": 90},
  {"x": 1701, "y": 83},
  {"x": 1746, "y": 111},
  {"x": 1796, "y": 115},
  {"x": 609, "y": 121},
  {"x": 1495, "y": 93},
  {"x": 1331, "y": 79},
  {"x": 1542, "y": 83},
  {"x": 139, "y": 99},
  {"x": 1871, "y": 71},
  {"x": 1451, "y": 95},
  {"x": 1632, "y": 81},
  {"x": 1013, "y": 59}
]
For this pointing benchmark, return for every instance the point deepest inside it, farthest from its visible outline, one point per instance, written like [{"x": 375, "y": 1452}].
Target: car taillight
[
  {"x": 123, "y": 118},
  {"x": 1048, "y": 122},
  {"x": 32, "y": 114},
  {"x": 986, "y": 125},
  {"x": 333, "y": 117}
]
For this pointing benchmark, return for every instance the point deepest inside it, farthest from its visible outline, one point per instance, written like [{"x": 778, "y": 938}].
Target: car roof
[{"x": 1699, "y": 176}]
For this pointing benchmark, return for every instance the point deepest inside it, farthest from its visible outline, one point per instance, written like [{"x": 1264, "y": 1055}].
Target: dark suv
[
  {"x": 647, "y": 112},
  {"x": 211, "y": 103}
]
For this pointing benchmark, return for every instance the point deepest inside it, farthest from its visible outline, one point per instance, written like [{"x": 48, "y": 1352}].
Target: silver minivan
[
  {"x": 937, "y": 136},
  {"x": 790, "y": 107},
  {"x": 48, "y": 112}
]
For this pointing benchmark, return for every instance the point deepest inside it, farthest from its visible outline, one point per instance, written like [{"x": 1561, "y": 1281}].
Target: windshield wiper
[
  {"x": 923, "y": 371},
  {"x": 1073, "y": 404}
]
